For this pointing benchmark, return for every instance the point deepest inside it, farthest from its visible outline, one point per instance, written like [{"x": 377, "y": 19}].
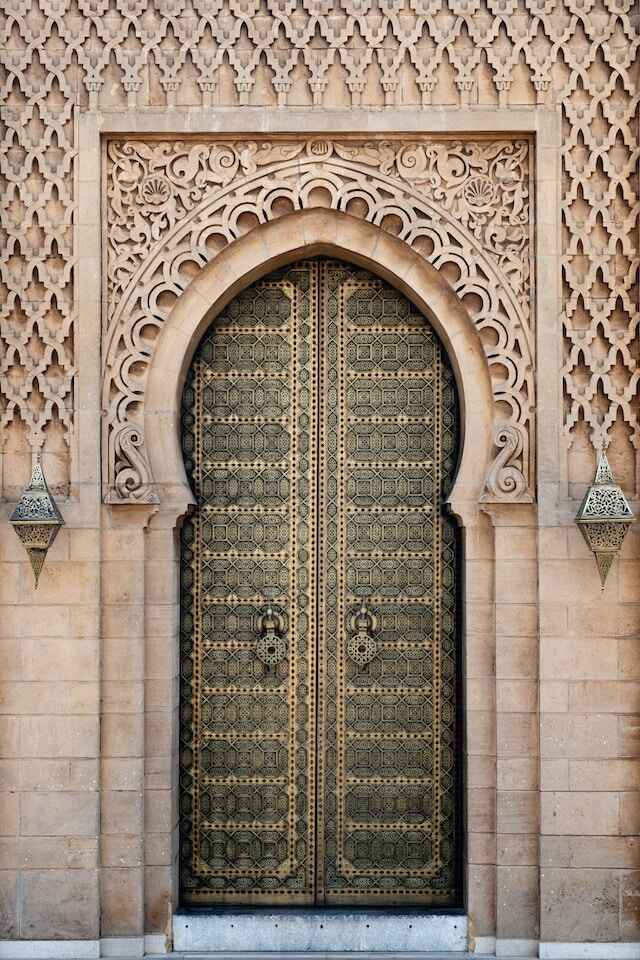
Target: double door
[{"x": 318, "y": 728}]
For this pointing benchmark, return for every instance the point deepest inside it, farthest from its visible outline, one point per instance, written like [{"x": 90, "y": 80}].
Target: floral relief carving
[
  {"x": 482, "y": 184},
  {"x": 465, "y": 206},
  {"x": 152, "y": 187}
]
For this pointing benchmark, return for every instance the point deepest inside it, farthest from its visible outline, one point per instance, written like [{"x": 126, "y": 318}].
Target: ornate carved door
[{"x": 319, "y": 656}]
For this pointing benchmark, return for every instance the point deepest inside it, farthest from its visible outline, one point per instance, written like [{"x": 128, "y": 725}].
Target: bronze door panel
[
  {"x": 318, "y": 726},
  {"x": 386, "y": 732},
  {"x": 248, "y": 602}
]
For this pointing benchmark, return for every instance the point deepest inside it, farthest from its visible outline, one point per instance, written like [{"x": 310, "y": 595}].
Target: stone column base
[{"x": 129, "y": 947}]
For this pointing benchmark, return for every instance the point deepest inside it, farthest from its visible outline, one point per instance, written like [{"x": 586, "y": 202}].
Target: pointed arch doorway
[{"x": 319, "y": 637}]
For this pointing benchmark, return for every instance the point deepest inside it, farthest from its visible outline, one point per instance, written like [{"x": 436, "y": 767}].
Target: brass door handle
[
  {"x": 361, "y": 645},
  {"x": 271, "y": 645}
]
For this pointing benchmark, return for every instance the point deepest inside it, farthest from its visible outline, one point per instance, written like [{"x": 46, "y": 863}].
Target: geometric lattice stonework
[{"x": 319, "y": 582}]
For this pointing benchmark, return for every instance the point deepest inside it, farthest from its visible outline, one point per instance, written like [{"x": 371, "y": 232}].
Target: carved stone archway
[
  {"x": 456, "y": 213},
  {"x": 304, "y": 234}
]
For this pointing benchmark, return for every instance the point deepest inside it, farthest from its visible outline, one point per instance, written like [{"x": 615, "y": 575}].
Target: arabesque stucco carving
[{"x": 465, "y": 206}]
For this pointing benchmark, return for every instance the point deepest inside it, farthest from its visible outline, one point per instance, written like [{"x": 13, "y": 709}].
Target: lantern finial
[
  {"x": 604, "y": 517},
  {"x": 36, "y": 519}
]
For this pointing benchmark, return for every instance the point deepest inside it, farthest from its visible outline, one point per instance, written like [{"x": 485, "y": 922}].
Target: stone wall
[{"x": 86, "y": 741}]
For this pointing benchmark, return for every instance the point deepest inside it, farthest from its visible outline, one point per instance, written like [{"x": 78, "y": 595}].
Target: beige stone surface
[
  {"x": 29, "y": 699},
  {"x": 8, "y": 904},
  {"x": 121, "y": 812},
  {"x": 629, "y": 656},
  {"x": 481, "y": 810},
  {"x": 518, "y": 811},
  {"x": 578, "y": 735},
  {"x": 123, "y": 773},
  {"x": 69, "y": 658},
  {"x": 517, "y": 696},
  {"x": 482, "y": 899},
  {"x": 70, "y": 775},
  {"x": 519, "y": 851},
  {"x": 518, "y": 773},
  {"x": 578, "y": 658},
  {"x": 66, "y": 901},
  {"x": 9, "y": 737},
  {"x": 72, "y": 853},
  {"x": 629, "y": 908},
  {"x": 554, "y": 696},
  {"x": 516, "y": 657},
  {"x": 630, "y": 813},
  {"x": 517, "y": 734},
  {"x": 159, "y": 895},
  {"x": 158, "y": 849},
  {"x": 596, "y": 852},
  {"x": 10, "y": 774},
  {"x": 58, "y": 736},
  {"x": 582, "y": 903},
  {"x": 122, "y": 735},
  {"x": 554, "y": 775},
  {"x": 517, "y": 898},
  {"x": 59, "y": 814},
  {"x": 584, "y": 813},
  {"x": 9, "y": 814},
  {"x": 122, "y": 851},
  {"x": 610, "y": 774},
  {"x": 121, "y": 901},
  {"x": 629, "y": 736},
  {"x": 516, "y": 620},
  {"x": 599, "y": 696}
]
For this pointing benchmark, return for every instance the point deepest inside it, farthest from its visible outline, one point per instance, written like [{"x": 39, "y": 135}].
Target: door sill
[{"x": 324, "y": 930}]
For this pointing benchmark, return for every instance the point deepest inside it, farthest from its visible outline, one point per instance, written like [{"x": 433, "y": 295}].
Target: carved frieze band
[{"x": 465, "y": 206}]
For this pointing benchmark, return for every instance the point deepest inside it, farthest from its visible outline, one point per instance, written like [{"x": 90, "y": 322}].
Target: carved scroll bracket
[{"x": 464, "y": 206}]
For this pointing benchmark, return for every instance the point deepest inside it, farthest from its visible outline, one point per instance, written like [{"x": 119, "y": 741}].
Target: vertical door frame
[{"x": 275, "y": 244}]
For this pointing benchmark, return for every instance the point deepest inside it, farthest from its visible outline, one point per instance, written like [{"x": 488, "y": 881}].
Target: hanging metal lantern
[
  {"x": 36, "y": 519},
  {"x": 604, "y": 517}
]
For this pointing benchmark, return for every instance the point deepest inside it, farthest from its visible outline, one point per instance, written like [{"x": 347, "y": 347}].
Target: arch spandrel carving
[{"x": 464, "y": 206}]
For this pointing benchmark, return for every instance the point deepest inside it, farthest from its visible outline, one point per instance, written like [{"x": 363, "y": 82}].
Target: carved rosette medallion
[{"x": 465, "y": 206}]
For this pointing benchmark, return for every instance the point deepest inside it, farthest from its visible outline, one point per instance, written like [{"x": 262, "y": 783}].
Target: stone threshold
[
  {"x": 348, "y": 955},
  {"x": 322, "y": 930}
]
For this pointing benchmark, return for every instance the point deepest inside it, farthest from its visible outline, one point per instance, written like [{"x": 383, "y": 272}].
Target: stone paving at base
[{"x": 333, "y": 955}]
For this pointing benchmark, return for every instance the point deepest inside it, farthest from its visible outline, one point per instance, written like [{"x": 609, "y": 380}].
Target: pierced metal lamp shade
[
  {"x": 36, "y": 519},
  {"x": 604, "y": 517}
]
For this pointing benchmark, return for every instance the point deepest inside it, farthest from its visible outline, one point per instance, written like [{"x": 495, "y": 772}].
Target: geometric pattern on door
[{"x": 319, "y": 634}]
